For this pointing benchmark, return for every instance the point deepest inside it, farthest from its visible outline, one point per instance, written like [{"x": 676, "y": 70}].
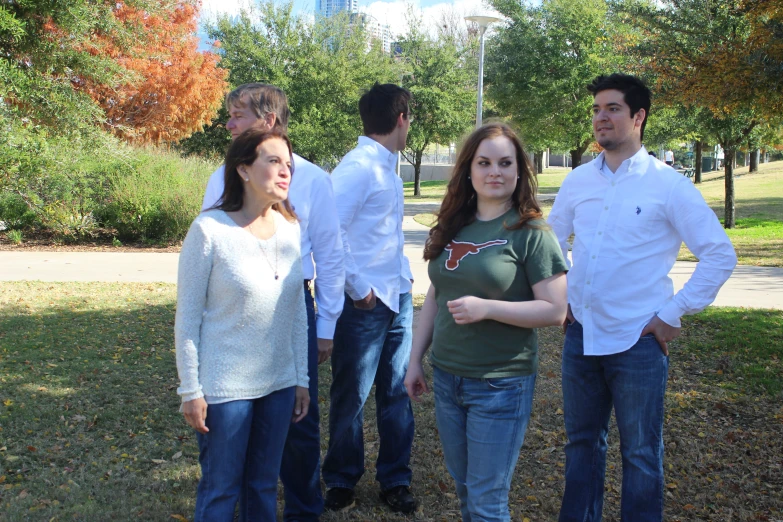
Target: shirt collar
[
  {"x": 379, "y": 151},
  {"x": 636, "y": 164}
]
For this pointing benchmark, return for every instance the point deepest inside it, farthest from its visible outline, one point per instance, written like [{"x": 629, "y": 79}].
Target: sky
[{"x": 391, "y": 12}]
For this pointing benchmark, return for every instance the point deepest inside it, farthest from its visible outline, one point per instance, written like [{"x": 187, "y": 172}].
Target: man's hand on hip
[
  {"x": 324, "y": 350},
  {"x": 569, "y": 319},
  {"x": 368, "y": 303},
  {"x": 662, "y": 331}
]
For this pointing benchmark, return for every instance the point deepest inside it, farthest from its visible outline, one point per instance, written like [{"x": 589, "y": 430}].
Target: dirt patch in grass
[{"x": 90, "y": 428}]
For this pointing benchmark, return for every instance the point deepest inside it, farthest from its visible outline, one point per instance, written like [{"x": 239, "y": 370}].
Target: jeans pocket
[{"x": 504, "y": 383}]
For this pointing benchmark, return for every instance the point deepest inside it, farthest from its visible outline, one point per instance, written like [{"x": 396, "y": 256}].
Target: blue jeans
[
  {"x": 482, "y": 424},
  {"x": 634, "y": 382},
  {"x": 301, "y": 470},
  {"x": 370, "y": 346},
  {"x": 240, "y": 457}
]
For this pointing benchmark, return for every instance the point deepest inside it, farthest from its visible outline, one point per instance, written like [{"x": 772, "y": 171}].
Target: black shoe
[
  {"x": 339, "y": 499},
  {"x": 400, "y": 499}
]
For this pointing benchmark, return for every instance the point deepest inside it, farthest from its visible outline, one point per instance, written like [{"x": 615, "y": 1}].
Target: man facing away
[
  {"x": 372, "y": 342},
  {"x": 311, "y": 195},
  {"x": 629, "y": 215}
]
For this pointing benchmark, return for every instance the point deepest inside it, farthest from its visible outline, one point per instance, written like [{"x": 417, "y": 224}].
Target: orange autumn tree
[{"x": 175, "y": 89}]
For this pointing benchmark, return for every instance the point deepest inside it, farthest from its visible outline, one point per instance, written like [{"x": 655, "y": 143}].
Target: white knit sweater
[{"x": 239, "y": 333}]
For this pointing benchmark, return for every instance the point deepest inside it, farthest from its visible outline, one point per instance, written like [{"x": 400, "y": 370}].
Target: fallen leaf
[
  {"x": 176, "y": 455},
  {"x": 32, "y": 448},
  {"x": 442, "y": 486},
  {"x": 158, "y": 461},
  {"x": 179, "y": 517}
]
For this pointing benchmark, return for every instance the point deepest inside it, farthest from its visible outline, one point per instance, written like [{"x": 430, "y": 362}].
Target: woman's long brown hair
[
  {"x": 459, "y": 205},
  {"x": 244, "y": 151}
]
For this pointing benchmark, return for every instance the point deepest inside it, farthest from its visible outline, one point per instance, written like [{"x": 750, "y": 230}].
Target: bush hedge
[{"x": 77, "y": 187}]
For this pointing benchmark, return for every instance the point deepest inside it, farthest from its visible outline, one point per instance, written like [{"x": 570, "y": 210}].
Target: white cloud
[
  {"x": 394, "y": 13},
  {"x": 210, "y": 9}
]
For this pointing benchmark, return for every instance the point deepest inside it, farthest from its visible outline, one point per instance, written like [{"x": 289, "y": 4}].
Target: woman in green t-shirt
[{"x": 497, "y": 273}]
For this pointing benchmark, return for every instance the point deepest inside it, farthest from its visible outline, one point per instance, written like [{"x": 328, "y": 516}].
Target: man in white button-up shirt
[
  {"x": 372, "y": 342},
  {"x": 311, "y": 195},
  {"x": 629, "y": 215}
]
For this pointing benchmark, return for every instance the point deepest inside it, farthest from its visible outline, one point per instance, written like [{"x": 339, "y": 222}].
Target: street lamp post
[{"x": 483, "y": 22}]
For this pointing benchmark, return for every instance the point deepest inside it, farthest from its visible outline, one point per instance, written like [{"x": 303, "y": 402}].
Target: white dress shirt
[
  {"x": 312, "y": 197},
  {"x": 628, "y": 229},
  {"x": 370, "y": 205}
]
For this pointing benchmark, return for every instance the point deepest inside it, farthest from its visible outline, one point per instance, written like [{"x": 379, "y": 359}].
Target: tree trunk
[
  {"x": 576, "y": 154},
  {"x": 538, "y": 162},
  {"x": 697, "y": 162},
  {"x": 754, "y": 160},
  {"x": 728, "y": 208},
  {"x": 417, "y": 172}
]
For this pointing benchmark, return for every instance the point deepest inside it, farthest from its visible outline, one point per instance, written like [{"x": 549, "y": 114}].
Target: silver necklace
[{"x": 263, "y": 250}]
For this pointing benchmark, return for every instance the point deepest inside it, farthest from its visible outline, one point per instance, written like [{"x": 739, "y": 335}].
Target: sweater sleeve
[
  {"x": 195, "y": 266},
  {"x": 299, "y": 331}
]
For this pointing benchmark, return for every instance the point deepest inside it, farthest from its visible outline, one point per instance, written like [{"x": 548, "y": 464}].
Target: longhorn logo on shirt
[{"x": 459, "y": 250}]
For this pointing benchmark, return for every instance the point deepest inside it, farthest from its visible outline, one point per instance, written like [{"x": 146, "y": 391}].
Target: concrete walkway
[{"x": 749, "y": 286}]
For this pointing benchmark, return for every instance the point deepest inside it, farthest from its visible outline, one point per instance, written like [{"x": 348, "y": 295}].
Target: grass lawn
[
  {"x": 758, "y": 236},
  {"x": 89, "y": 428}
]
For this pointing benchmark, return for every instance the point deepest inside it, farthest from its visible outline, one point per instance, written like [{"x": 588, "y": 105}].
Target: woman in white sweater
[{"x": 241, "y": 331}]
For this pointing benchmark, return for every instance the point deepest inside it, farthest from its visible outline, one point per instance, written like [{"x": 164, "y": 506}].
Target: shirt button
[
  {"x": 593, "y": 257},
  {"x": 613, "y": 183},
  {"x": 600, "y": 233},
  {"x": 587, "y": 306},
  {"x": 606, "y": 208},
  {"x": 587, "y": 283}
]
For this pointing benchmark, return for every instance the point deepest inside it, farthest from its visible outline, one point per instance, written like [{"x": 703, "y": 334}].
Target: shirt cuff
[
  {"x": 359, "y": 292},
  {"x": 187, "y": 397},
  {"x": 671, "y": 313},
  {"x": 324, "y": 328}
]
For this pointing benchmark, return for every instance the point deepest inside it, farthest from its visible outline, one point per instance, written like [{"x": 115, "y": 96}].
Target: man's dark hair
[
  {"x": 380, "y": 106},
  {"x": 635, "y": 92}
]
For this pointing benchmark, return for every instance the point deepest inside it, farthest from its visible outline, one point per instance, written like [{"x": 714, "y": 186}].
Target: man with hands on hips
[{"x": 629, "y": 215}]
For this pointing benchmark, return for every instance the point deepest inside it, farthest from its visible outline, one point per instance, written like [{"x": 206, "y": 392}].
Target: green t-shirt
[{"x": 488, "y": 261}]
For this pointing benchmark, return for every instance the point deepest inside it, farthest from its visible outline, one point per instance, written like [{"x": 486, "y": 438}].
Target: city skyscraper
[{"x": 328, "y": 8}]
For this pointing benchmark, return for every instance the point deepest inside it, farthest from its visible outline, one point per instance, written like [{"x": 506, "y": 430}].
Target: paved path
[{"x": 749, "y": 286}]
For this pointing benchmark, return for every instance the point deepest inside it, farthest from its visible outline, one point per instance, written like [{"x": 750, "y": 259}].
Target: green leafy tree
[
  {"x": 539, "y": 64},
  {"x": 323, "y": 66},
  {"x": 721, "y": 57},
  {"x": 441, "y": 81}
]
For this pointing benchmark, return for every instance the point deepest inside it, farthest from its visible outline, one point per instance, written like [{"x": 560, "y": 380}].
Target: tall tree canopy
[
  {"x": 131, "y": 66},
  {"x": 441, "y": 74},
  {"x": 539, "y": 64},
  {"x": 176, "y": 89},
  {"x": 324, "y": 67},
  {"x": 722, "y": 57}
]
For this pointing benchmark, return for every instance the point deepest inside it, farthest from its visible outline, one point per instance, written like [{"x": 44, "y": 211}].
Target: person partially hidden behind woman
[
  {"x": 241, "y": 331},
  {"x": 497, "y": 274}
]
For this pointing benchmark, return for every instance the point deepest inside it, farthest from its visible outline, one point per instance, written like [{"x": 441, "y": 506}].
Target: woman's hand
[
  {"x": 195, "y": 412},
  {"x": 415, "y": 382},
  {"x": 301, "y": 403},
  {"x": 468, "y": 309}
]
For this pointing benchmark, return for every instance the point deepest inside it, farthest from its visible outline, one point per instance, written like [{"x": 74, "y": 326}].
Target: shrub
[
  {"x": 14, "y": 212},
  {"x": 15, "y": 237},
  {"x": 157, "y": 199}
]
